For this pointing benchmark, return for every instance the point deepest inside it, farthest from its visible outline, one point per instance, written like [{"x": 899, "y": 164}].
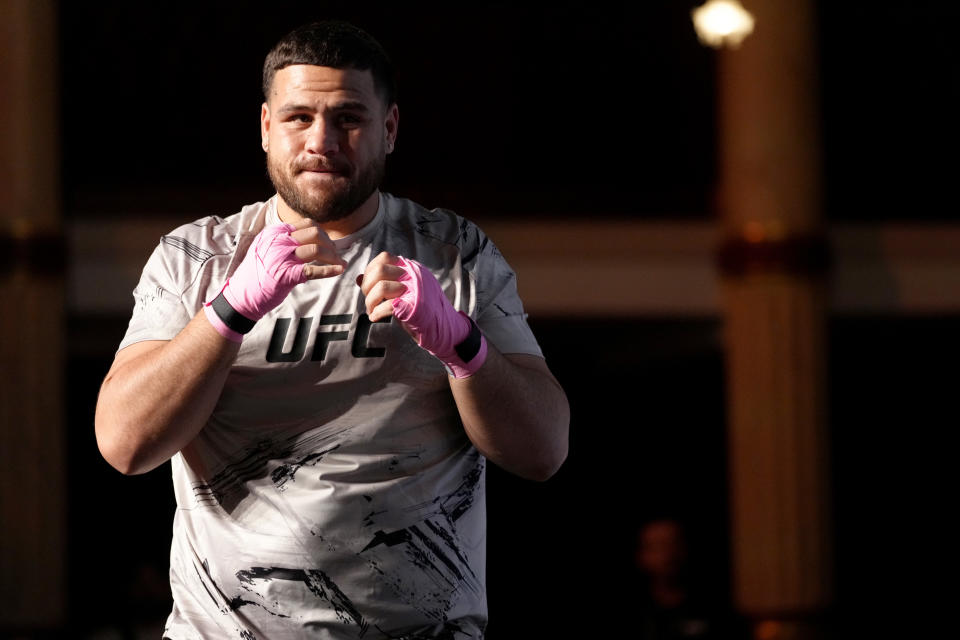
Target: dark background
[
  {"x": 573, "y": 109},
  {"x": 577, "y": 109}
]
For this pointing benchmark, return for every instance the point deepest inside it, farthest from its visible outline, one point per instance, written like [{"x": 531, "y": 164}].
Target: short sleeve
[
  {"x": 500, "y": 311},
  {"x": 158, "y": 309}
]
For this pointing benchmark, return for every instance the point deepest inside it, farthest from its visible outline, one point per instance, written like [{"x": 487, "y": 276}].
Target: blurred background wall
[{"x": 596, "y": 143}]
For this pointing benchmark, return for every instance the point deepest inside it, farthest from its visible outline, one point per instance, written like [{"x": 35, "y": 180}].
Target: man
[
  {"x": 674, "y": 602},
  {"x": 328, "y": 372}
]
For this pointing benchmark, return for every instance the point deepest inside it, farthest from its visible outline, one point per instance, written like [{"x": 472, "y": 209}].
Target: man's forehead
[{"x": 308, "y": 78}]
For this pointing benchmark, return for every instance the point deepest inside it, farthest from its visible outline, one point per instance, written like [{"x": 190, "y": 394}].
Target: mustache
[{"x": 320, "y": 165}]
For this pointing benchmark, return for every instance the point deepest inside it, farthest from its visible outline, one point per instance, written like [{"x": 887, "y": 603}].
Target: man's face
[{"x": 327, "y": 134}]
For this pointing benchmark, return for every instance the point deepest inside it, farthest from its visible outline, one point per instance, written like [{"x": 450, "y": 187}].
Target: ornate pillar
[
  {"x": 32, "y": 438},
  {"x": 772, "y": 263}
]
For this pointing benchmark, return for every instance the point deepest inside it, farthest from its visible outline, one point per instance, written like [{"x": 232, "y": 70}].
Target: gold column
[
  {"x": 772, "y": 264},
  {"x": 32, "y": 438}
]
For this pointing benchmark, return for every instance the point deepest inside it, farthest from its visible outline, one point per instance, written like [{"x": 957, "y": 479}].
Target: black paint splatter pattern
[
  {"x": 228, "y": 486},
  {"x": 433, "y": 547}
]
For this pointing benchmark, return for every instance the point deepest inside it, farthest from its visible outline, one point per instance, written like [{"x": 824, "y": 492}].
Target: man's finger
[
  {"x": 311, "y": 234},
  {"x": 303, "y": 223},
  {"x": 376, "y": 273},
  {"x": 384, "y": 257},
  {"x": 383, "y": 290},
  {"x": 317, "y": 271},
  {"x": 318, "y": 253},
  {"x": 381, "y": 311}
]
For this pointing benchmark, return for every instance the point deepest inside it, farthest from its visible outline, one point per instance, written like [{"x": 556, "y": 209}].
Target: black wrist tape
[
  {"x": 470, "y": 347},
  {"x": 230, "y": 316}
]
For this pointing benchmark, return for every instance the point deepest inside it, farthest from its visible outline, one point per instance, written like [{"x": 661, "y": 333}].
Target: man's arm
[
  {"x": 158, "y": 395},
  {"x": 513, "y": 409},
  {"x": 515, "y": 413}
]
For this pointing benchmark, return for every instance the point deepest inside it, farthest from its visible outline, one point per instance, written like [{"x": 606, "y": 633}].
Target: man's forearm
[
  {"x": 516, "y": 414},
  {"x": 513, "y": 409},
  {"x": 158, "y": 396}
]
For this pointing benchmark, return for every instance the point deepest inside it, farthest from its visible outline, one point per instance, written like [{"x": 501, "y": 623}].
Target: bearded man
[{"x": 328, "y": 372}]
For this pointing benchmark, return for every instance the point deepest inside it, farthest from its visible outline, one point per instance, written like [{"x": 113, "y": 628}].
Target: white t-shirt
[{"x": 333, "y": 493}]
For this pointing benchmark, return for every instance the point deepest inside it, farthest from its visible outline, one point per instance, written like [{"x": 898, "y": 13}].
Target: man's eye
[
  {"x": 300, "y": 117},
  {"x": 349, "y": 120}
]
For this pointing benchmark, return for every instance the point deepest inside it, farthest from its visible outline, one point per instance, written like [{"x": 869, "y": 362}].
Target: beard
[{"x": 331, "y": 202}]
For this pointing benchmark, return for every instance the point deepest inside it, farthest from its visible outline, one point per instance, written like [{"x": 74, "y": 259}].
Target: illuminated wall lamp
[{"x": 722, "y": 23}]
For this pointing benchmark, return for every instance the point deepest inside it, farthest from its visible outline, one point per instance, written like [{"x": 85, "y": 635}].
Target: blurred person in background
[{"x": 675, "y": 600}]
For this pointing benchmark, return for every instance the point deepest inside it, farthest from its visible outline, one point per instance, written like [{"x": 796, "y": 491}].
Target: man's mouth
[{"x": 321, "y": 169}]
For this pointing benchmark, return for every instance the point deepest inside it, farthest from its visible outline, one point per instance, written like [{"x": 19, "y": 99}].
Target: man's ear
[
  {"x": 390, "y": 125},
  {"x": 265, "y": 126}
]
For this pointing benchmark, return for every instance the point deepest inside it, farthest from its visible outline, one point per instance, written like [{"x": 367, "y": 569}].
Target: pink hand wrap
[
  {"x": 264, "y": 278},
  {"x": 449, "y": 335}
]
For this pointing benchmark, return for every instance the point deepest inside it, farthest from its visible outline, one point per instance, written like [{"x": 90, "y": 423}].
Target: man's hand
[
  {"x": 158, "y": 395},
  {"x": 275, "y": 263},
  {"x": 394, "y": 285},
  {"x": 513, "y": 409}
]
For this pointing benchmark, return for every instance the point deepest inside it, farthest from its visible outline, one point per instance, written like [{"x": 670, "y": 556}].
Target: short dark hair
[{"x": 337, "y": 44}]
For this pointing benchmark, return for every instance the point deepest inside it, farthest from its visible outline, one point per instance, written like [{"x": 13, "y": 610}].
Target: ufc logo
[{"x": 330, "y": 328}]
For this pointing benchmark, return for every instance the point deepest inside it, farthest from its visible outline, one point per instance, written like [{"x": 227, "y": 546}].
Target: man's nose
[{"x": 322, "y": 137}]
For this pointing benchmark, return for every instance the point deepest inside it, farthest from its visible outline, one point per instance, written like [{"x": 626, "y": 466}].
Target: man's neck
[{"x": 341, "y": 228}]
